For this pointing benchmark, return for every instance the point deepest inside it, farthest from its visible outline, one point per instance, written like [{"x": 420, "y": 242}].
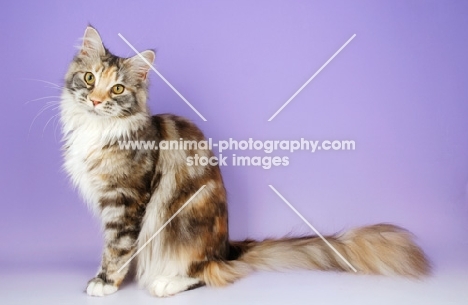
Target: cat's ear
[
  {"x": 92, "y": 43},
  {"x": 141, "y": 63}
]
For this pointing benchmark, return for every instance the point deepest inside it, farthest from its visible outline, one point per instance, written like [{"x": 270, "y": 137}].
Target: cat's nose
[{"x": 96, "y": 102}]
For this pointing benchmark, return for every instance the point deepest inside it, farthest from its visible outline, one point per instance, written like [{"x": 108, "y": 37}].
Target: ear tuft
[
  {"x": 142, "y": 65},
  {"x": 92, "y": 43}
]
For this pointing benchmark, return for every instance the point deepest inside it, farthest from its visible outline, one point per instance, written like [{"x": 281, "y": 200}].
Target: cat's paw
[
  {"x": 164, "y": 286},
  {"x": 97, "y": 288}
]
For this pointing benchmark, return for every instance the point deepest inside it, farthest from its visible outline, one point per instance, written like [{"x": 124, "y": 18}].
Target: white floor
[{"x": 448, "y": 285}]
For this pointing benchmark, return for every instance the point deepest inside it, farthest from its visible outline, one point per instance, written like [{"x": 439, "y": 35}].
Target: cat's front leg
[
  {"x": 109, "y": 278},
  {"x": 120, "y": 244}
]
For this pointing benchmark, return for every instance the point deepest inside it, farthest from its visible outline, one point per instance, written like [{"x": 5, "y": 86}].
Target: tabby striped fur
[{"x": 134, "y": 192}]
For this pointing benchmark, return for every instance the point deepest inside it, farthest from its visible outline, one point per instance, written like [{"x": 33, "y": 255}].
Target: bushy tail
[{"x": 378, "y": 249}]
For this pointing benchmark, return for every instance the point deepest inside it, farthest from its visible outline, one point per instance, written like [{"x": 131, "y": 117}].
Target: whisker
[
  {"x": 53, "y": 103},
  {"x": 56, "y": 123},
  {"x": 57, "y": 88},
  {"x": 44, "y": 108},
  {"x": 42, "y": 98},
  {"x": 44, "y": 81},
  {"x": 47, "y": 123}
]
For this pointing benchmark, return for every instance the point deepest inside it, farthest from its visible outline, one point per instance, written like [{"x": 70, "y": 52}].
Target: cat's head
[{"x": 103, "y": 84}]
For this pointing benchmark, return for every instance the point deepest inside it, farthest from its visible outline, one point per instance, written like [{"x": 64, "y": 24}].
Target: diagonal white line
[
  {"x": 162, "y": 227},
  {"x": 162, "y": 77},
  {"x": 316, "y": 232},
  {"x": 312, "y": 77}
]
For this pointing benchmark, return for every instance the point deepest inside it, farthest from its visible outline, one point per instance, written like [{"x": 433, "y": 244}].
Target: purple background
[{"x": 399, "y": 89}]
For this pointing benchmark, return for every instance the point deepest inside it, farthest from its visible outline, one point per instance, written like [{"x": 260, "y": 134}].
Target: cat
[{"x": 134, "y": 192}]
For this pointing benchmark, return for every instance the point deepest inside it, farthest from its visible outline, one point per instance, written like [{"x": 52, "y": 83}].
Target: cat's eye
[
  {"x": 89, "y": 78},
  {"x": 118, "y": 89}
]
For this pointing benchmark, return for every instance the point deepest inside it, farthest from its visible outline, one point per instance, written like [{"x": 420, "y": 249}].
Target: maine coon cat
[{"x": 134, "y": 192}]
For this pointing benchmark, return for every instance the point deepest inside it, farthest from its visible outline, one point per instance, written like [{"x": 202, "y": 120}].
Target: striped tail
[{"x": 379, "y": 249}]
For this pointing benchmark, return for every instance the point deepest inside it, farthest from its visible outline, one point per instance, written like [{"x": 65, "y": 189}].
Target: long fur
[
  {"x": 378, "y": 249},
  {"x": 135, "y": 191}
]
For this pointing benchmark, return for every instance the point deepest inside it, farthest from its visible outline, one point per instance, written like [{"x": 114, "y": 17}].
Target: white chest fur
[{"x": 85, "y": 134}]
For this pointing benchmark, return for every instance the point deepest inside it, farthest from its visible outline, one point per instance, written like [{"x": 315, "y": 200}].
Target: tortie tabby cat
[{"x": 135, "y": 192}]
